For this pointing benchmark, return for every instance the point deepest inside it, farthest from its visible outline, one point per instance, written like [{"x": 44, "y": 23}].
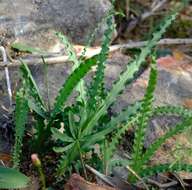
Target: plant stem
[
  {"x": 42, "y": 177},
  {"x": 46, "y": 80},
  {"x": 82, "y": 162},
  {"x": 105, "y": 158}
]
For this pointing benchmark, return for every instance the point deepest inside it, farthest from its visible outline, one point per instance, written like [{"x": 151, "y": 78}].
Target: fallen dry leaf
[
  {"x": 76, "y": 182},
  {"x": 5, "y": 158}
]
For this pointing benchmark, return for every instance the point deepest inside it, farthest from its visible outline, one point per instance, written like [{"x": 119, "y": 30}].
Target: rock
[
  {"x": 158, "y": 126},
  {"x": 74, "y": 17},
  {"x": 35, "y": 22}
]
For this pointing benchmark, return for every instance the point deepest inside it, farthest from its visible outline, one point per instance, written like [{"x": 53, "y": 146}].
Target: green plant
[
  {"x": 36, "y": 104},
  {"x": 139, "y": 159},
  {"x": 12, "y": 179},
  {"x": 77, "y": 139},
  {"x": 21, "y": 113},
  {"x": 146, "y": 110},
  {"x": 77, "y": 126},
  {"x": 73, "y": 57},
  {"x": 97, "y": 89},
  {"x": 37, "y": 163},
  {"x": 80, "y": 132}
]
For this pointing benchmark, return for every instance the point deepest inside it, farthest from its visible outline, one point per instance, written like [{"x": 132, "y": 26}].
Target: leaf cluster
[{"x": 77, "y": 127}]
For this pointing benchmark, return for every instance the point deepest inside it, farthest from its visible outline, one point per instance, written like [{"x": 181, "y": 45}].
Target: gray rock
[
  {"x": 75, "y": 17},
  {"x": 158, "y": 126},
  {"x": 35, "y": 22}
]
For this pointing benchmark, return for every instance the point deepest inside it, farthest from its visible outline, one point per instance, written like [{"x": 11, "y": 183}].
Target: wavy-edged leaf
[
  {"x": 187, "y": 123},
  {"x": 149, "y": 171},
  {"x": 21, "y": 113},
  {"x": 31, "y": 90},
  {"x": 146, "y": 110},
  {"x": 66, "y": 159},
  {"x": 12, "y": 179},
  {"x": 37, "y": 109},
  {"x": 33, "y": 86},
  {"x": 68, "y": 49},
  {"x": 63, "y": 149},
  {"x": 128, "y": 74},
  {"x": 118, "y": 135},
  {"x": 92, "y": 35},
  {"x": 172, "y": 110},
  {"x": 123, "y": 122},
  {"x": 133, "y": 67},
  {"x": 128, "y": 115},
  {"x": 71, "y": 83},
  {"x": 97, "y": 87},
  {"x": 73, "y": 57},
  {"x": 72, "y": 126},
  {"x": 61, "y": 136}
]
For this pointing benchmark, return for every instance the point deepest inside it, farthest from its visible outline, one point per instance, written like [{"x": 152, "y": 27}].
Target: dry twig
[{"x": 94, "y": 51}]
